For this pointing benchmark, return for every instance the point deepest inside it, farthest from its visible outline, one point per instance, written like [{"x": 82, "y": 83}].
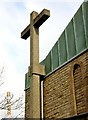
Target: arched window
[{"x": 79, "y": 89}]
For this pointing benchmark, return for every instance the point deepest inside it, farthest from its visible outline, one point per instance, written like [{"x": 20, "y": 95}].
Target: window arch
[{"x": 79, "y": 89}]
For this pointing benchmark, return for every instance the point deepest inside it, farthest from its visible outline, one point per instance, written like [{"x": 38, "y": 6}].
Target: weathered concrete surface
[{"x": 36, "y": 69}]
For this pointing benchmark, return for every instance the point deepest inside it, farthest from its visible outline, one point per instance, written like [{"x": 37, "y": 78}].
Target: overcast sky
[{"x": 14, "y": 51}]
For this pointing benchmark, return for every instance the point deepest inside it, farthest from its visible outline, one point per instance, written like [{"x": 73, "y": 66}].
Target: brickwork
[
  {"x": 83, "y": 116},
  {"x": 27, "y": 100},
  {"x": 66, "y": 89},
  {"x": 80, "y": 86}
]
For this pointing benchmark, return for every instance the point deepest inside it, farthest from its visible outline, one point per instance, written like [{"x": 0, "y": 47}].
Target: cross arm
[
  {"x": 41, "y": 18},
  {"x": 26, "y": 32},
  {"x": 38, "y": 21}
]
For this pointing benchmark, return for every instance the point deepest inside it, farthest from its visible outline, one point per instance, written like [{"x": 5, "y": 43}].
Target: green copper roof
[
  {"x": 72, "y": 42},
  {"x": 27, "y": 81}
]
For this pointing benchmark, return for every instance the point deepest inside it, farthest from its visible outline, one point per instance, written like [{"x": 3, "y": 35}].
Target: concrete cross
[{"x": 36, "y": 69}]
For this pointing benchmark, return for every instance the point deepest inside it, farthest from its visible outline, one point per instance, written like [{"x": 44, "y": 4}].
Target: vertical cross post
[{"x": 36, "y": 69}]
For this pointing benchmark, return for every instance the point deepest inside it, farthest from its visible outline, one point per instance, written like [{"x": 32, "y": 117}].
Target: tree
[
  {"x": 16, "y": 104},
  {"x": 2, "y": 75}
]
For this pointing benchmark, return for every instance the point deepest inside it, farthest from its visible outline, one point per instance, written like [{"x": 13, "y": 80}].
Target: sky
[{"x": 14, "y": 51}]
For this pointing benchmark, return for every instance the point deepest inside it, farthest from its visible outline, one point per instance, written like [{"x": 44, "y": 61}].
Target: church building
[{"x": 64, "y": 87}]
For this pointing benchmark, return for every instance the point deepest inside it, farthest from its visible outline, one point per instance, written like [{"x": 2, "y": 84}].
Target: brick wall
[
  {"x": 66, "y": 89},
  {"x": 79, "y": 86},
  {"x": 83, "y": 116},
  {"x": 27, "y": 100}
]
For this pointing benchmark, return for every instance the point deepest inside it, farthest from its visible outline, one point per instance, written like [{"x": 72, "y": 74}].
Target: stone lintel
[{"x": 38, "y": 21}]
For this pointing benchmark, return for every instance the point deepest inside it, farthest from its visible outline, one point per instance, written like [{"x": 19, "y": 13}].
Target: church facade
[{"x": 64, "y": 89}]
